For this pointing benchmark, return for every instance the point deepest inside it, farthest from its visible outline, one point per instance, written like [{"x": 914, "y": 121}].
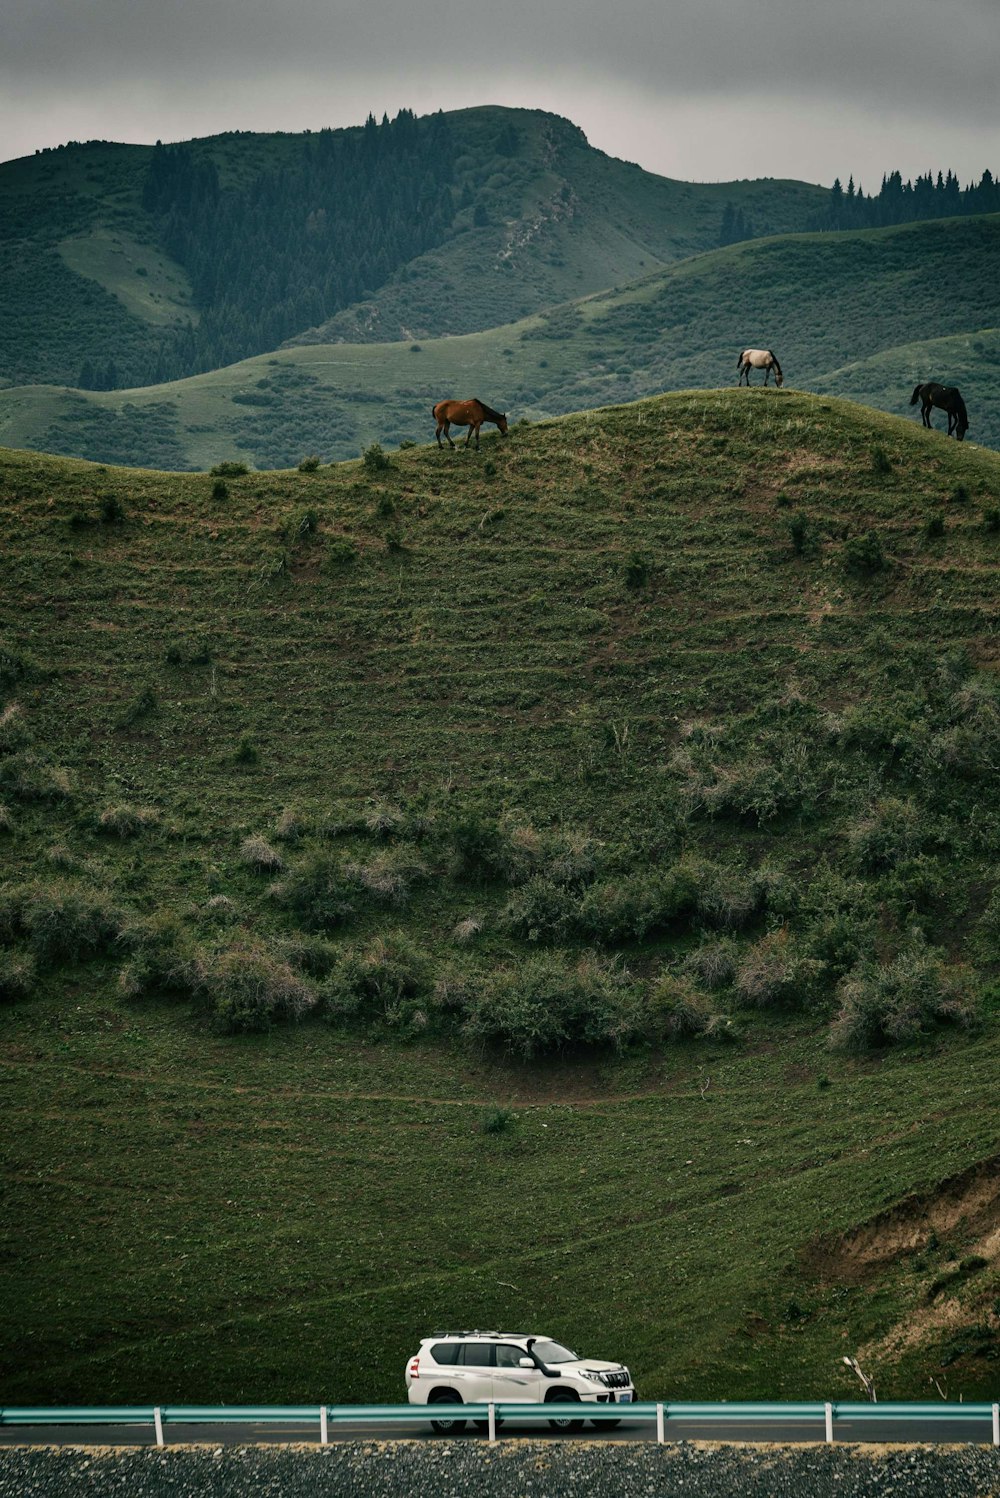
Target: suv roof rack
[{"x": 477, "y": 1332}]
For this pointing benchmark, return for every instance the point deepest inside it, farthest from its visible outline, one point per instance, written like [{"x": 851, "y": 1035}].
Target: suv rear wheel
[
  {"x": 564, "y": 1396},
  {"x": 446, "y": 1427}
]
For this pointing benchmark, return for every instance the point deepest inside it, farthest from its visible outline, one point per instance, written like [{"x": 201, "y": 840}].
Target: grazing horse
[
  {"x": 469, "y": 414},
  {"x": 759, "y": 358},
  {"x": 946, "y": 398}
]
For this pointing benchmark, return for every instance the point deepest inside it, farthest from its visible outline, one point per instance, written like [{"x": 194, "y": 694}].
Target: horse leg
[
  {"x": 438, "y": 434},
  {"x": 478, "y": 425},
  {"x": 925, "y": 412},
  {"x": 447, "y": 432},
  {"x": 767, "y": 374}
]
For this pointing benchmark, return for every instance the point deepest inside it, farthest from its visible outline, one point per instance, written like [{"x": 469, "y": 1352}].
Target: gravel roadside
[{"x": 523, "y": 1470}]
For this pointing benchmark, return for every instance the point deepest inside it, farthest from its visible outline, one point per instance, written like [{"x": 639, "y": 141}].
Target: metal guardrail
[{"x": 823, "y": 1414}]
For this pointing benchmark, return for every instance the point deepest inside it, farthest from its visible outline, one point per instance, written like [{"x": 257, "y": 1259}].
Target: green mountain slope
[
  {"x": 827, "y": 303},
  {"x": 124, "y": 265},
  {"x": 615, "y": 814}
]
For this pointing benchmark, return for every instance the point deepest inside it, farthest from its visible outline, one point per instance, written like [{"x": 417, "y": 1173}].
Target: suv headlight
[{"x": 595, "y": 1378}]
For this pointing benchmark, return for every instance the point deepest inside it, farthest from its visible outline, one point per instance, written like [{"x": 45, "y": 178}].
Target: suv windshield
[{"x": 553, "y": 1352}]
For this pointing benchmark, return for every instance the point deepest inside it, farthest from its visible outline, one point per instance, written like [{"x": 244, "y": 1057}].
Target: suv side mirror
[{"x": 526, "y": 1363}]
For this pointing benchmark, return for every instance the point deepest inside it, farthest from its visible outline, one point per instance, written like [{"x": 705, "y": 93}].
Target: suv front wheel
[
  {"x": 446, "y": 1427},
  {"x": 564, "y": 1396}
]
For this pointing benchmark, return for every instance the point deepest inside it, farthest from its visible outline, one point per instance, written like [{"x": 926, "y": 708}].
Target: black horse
[{"x": 946, "y": 398}]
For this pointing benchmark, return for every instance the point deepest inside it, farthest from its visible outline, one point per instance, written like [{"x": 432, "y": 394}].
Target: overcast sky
[{"x": 697, "y": 89}]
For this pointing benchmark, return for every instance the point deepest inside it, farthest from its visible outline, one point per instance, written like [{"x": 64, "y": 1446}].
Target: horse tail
[
  {"x": 739, "y": 362},
  {"x": 916, "y": 394}
]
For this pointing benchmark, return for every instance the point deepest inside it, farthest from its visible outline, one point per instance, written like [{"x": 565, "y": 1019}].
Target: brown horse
[
  {"x": 469, "y": 414},
  {"x": 946, "y": 398}
]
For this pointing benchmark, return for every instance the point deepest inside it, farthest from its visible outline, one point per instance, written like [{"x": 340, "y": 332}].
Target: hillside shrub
[
  {"x": 893, "y": 829},
  {"x": 388, "y": 878},
  {"x": 775, "y": 974},
  {"x": 14, "y": 733},
  {"x": 802, "y": 533},
  {"x": 467, "y": 929},
  {"x": 713, "y": 964},
  {"x": 312, "y": 955},
  {"x": 290, "y": 825},
  {"x": 112, "y": 510},
  {"x": 638, "y": 570},
  {"x": 69, "y": 923},
  {"x": 881, "y": 463},
  {"x": 933, "y": 527},
  {"x": 257, "y": 853},
  {"x": 228, "y": 470},
  {"x": 309, "y": 464},
  {"x": 900, "y": 1001},
  {"x": 540, "y": 910},
  {"x": 385, "y": 982},
  {"x": 497, "y": 1121},
  {"x": 677, "y": 1010},
  {"x": 340, "y": 553},
  {"x": 138, "y": 708},
  {"x": 7, "y": 822},
  {"x": 638, "y": 905},
  {"x": 863, "y": 556},
  {"x": 127, "y": 821},
  {"x": 548, "y": 1003},
  {"x": 246, "y": 752},
  {"x": 220, "y": 489},
  {"x": 991, "y": 520},
  {"x": 317, "y": 894},
  {"x": 375, "y": 459},
  {"x": 247, "y": 989},
  {"x": 161, "y": 957},
  {"x": 17, "y": 976},
  {"x": 30, "y": 776}
]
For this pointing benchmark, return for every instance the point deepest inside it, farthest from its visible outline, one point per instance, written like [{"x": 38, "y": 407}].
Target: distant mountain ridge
[{"x": 129, "y": 265}]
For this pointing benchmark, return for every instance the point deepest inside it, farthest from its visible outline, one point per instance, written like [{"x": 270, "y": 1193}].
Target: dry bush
[
  {"x": 13, "y": 729},
  {"x": 896, "y": 1002},
  {"x": 257, "y": 853},
  {"x": 17, "y": 976},
  {"x": 546, "y": 1003},
  {"x": 290, "y": 826},
  {"x": 676, "y": 1010},
  {"x": 7, "y": 823},
  {"x": 69, "y": 922},
  {"x": 774, "y": 974},
  {"x": 388, "y": 877},
  {"x": 467, "y": 930},
  {"x": 127, "y": 821},
  {"x": 713, "y": 964},
  {"x": 248, "y": 989}
]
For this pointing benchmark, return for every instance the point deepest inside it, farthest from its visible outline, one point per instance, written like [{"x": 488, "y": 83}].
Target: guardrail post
[
  {"x": 323, "y": 1435},
  {"x": 158, "y": 1425},
  {"x": 828, "y": 1410},
  {"x": 996, "y": 1425},
  {"x": 493, "y": 1421},
  {"x": 660, "y": 1436}
]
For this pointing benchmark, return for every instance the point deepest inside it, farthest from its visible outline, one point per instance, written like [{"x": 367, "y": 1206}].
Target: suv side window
[
  {"x": 446, "y": 1352},
  {"x": 477, "y": 1354},
  {"x": 509, "y": 1357}
]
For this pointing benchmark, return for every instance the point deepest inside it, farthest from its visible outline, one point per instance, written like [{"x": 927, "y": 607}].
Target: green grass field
[{"x": 614, "y": 810}]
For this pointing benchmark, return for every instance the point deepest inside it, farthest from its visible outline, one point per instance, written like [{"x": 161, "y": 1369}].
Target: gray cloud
[{"x": 901, "y": 72}]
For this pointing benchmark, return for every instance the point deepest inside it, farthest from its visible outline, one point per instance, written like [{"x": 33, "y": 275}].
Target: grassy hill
[
  {"x": 433, "y": 891},
  {"x": 857, "y": 313},
  {"x": 163, "y": 264}
]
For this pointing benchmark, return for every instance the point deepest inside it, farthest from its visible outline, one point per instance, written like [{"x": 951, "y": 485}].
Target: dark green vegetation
[
  {"x": 867, "y": 314},
  {"x": 445, "y": 884},
  {"x": 126, "y": 265}
]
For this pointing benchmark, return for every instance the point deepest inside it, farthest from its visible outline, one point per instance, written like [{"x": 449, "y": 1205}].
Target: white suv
[{"x": 482, "y": 1367}]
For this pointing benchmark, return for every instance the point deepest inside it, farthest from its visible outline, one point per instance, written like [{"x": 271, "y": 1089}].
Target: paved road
[{"x": 252, "y": 1434}]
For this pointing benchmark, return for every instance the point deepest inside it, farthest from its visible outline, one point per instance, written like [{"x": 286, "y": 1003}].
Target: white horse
[{"x": 759, "y": 358}]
